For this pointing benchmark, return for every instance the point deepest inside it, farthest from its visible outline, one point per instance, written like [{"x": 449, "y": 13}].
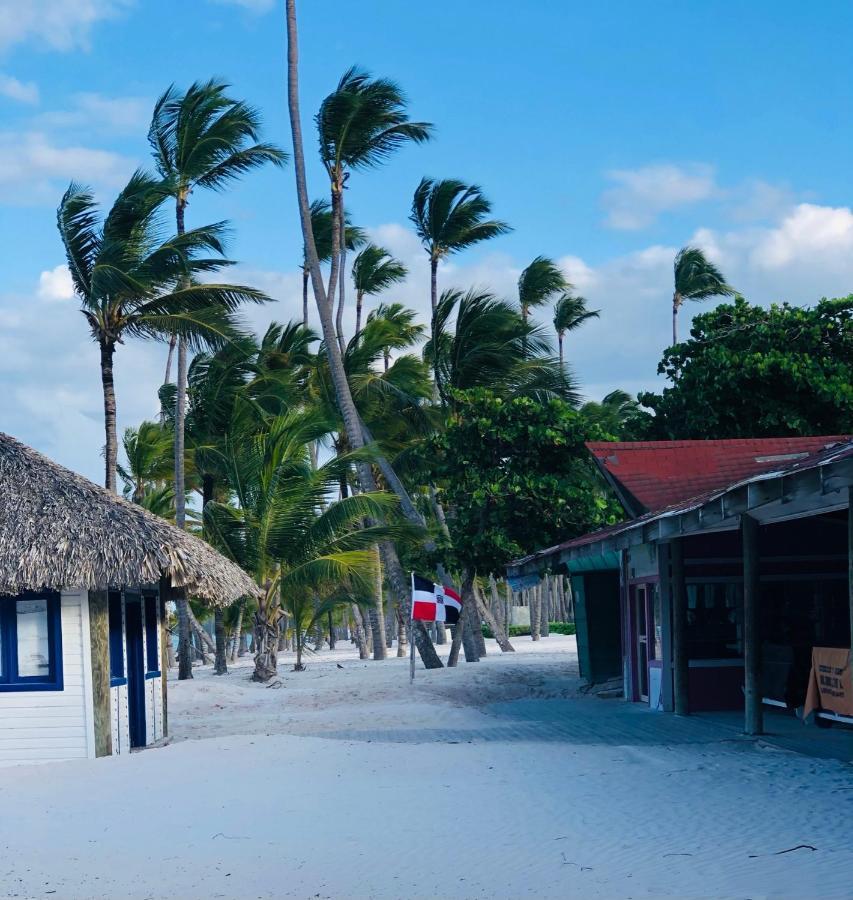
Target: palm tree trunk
[
  {"x": 342, "y": 247},
  {"x": 433, "y": 283},
  {"x": 238, "y": 632},
  {"x": 110, "y": 435},
  {"x": 675, "y": 304},
  {"x": 359, "y": 301},
  {"x": 343, "y": 394},
  {"x": 377, "y": 614},
  {"x": 305, "y": 295},
  {"x": 266, "y": 641},
  {"x": 168, "y": 376},
  {"x": 494, "y": 625},
  {"x": 185, "y": 647},
  {"x": 560, "y": 345},
  {"x": 359, "y": 633},
  {"x": 220, "y": 664},
  {"x": 533, "y": 594}
]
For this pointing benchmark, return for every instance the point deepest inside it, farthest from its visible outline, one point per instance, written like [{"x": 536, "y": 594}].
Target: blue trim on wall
[
  {"x": 10, "y": 681},
  {"x": 151, "y": 675},
  {"x": 117, "y": 682}
]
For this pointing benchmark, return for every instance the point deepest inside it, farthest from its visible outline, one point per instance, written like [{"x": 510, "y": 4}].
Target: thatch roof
[{"x": 59, "y": 530}]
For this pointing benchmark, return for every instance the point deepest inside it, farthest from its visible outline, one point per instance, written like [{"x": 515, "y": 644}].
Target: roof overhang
[{"x": 794, "y": 493}]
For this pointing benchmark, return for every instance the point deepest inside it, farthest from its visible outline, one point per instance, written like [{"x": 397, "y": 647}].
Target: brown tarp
[{"x": 830, "y": 682}]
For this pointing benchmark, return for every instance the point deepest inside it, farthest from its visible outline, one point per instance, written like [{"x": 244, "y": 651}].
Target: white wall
[{"x": 52, "y": 725}]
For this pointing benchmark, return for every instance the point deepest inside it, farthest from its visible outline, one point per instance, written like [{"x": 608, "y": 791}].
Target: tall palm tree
[
  {"x": 353, "y": 426},
  {"x": 404, "y": 330},
  {"x": 202, "y": 138},
  {"x": 360, "y": 124},
  {"x": 373, "y": 271},
  {"x": 616, "y": 414},
  {"x": 696, "y": 278},
  {"x": 570, "y": 312},
  {"x": 280, "y": 527},
  {"x": 449, "y": 216},
  {"x": 131, "y": 282},
  {"x": 539, "y": 283},
  {"x": 321, "y": 225}
]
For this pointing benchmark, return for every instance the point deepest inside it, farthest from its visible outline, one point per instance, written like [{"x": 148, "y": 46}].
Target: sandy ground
[{"x": 499, "y": 779}]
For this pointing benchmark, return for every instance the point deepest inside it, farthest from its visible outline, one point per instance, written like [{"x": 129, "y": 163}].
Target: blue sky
[{"x": 608, "y": 135}]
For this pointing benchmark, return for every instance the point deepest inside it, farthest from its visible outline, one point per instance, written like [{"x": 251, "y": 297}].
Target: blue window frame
[
  {"x": 31, "y": 642},
  {"x": 152, "y": 657},
  {"x": 116, "y": 639}
]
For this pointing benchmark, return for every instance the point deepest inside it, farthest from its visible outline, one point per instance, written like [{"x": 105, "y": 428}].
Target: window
[
  {"x": 30, "y": 642},
  {"x": 116, "y": 640},
  {"x": 715, "y": 620},
  {"x": 152, "y": 657}
]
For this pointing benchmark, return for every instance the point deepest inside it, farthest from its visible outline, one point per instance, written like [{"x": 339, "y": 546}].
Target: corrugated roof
[{"x": 652, "y": 475}]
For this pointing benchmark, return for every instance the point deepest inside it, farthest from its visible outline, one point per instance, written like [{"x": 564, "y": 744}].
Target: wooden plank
[
  {"x": 165, "y": 589},
  {"x": 753, "y": 709},
  {"x": 99, "y": 629},
  {"x": 680, "y": 669}
]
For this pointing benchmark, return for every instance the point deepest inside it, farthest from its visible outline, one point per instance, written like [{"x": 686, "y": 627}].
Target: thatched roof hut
[{"x": 59, "y": 530}]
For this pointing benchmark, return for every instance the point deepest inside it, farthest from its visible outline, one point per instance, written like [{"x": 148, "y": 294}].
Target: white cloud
[
  {"x": 641, "y": 195},
  {"x": 115, "y": 115},
  {"x": 54, "y": 24},
  {"x": 22, "y": 91},
  {"x": 35, "y": 169},
  {"x": 55, "y": 285}
]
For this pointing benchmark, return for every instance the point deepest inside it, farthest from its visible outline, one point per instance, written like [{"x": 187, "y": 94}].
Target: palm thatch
[{"x": 59, "y": 530}]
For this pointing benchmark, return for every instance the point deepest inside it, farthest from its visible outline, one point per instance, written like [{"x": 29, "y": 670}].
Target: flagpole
[{"x": 412, "y": 634}]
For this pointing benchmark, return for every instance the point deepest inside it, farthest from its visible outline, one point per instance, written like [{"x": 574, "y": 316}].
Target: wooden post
[
  {"x": 99, "y": 630},
  {"x": 850, "y": 560},
  {"x": 165, "y": 639},
  {"x": 753, "y": 712},
  {"x": 680, "y": 662}
]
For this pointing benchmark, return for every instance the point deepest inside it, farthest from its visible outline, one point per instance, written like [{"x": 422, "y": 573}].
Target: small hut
[{"x": 84, "y": 580}]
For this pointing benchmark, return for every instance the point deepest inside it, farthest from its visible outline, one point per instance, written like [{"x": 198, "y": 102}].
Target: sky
[{"x": 607, "y": 135}]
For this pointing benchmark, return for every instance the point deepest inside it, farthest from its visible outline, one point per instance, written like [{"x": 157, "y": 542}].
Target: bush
[{"x": 524, "y": 630}]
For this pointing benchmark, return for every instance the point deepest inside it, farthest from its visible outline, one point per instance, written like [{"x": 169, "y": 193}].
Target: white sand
[{"x": 490, "y": 780}]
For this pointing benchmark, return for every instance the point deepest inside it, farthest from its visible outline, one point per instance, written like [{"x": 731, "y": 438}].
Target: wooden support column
[
  {"x": 850, "y": 557},
  {"x": 99, "y": 636},
  {"x": 165, "y": 638},
  {"x": 680, "y": 669},
  {"x": 753, "y": 711}
]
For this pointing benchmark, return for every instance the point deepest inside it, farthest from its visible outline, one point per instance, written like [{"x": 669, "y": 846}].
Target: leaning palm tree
[
  {"x": 373, "y": 271},
  {"x": 280, "y": 526},
  {"x": 202, "y": 138},
  {"x": 353, "y": 426},
  {"x": 321, "y": 225},
  {"x": 360, "y": 124},
  {"x": 696, "y": 278},
  {"x": 150, "y": 459},
  {"x": 570, "y": 312},
  {"x": 131, "y": 282},
  {"x": 449, "y": 216},
  {"x": 403, "y": 330},
  {"x": 539, "y": 283}
]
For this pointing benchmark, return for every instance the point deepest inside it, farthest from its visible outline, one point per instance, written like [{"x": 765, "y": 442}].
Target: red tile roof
[{"x": 651, "y": 475}]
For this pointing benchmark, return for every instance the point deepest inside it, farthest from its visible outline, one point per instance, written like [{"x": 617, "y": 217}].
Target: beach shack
[
  {"x": 730, "y": 583},
  {"x": 84, "y": 579}
]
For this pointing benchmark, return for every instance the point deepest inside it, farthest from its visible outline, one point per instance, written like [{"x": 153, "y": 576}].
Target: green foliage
[
  {"x": 539, "y": 282},
  {"x": 619, "y": 416},
  {"x": 514, "y": 476},
  {"x": 748, "y": 371},
  {"x": 524, "y": 630},
  {"x": 697, "y": 278}
]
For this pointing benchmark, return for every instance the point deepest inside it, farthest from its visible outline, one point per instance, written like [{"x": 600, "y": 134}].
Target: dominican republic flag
[{"x": 434, "y": 602}]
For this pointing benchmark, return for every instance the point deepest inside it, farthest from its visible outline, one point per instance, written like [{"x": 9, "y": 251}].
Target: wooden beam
[
  {"x": 165, "y": 637},
  {"x": 850, "y": 558},
  {"x": 680, "y": 670},
  {"x": 753, "y": 711},
  {"x": 99, "y": 632}
]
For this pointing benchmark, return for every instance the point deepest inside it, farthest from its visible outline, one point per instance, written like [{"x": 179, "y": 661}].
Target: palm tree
[
  {"x": 570, "y": 312},
  {"x": 696, "y": 278},
  {"x": 539, "y": 283},
  {"x": 403, "y": 329},
  {"x": 490, "y": 345},
  {"x": 353, "y": 426},
  {"x": 360, "y": 124},
  {"x": 373, "y": 271},
  {"x": 150, "y": 459},
  {"x": 321, "y": 225},
  {"x": 281, "y": 529},
  {"x": 618, "y": 415},
  {"x": 449, "y": 216},
  {"x": 133, "y": 283},
  {"x": 202, "y": 138}
]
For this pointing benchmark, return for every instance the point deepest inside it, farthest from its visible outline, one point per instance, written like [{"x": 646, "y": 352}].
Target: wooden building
[
  {"x": 735, "y": 567},
  {"x": 84, "y": 578}
]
